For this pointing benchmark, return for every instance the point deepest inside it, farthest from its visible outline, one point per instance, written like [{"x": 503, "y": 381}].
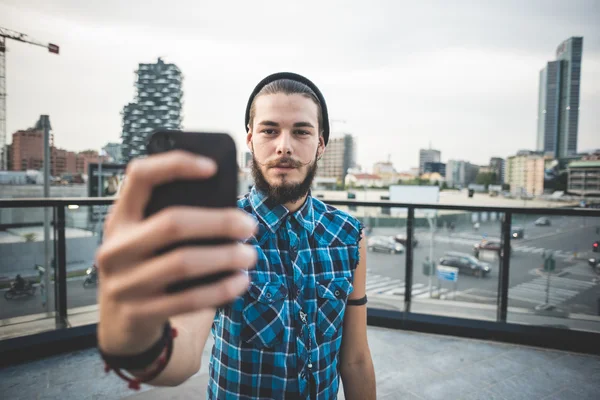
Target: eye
[
  {"x": 301, "y": 132},
  {"x": 269, "y": 131}
]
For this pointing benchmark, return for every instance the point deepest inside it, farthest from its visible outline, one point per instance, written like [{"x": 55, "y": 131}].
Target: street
[
  {"x": 77, "y": 296},
  {"x": 573, "y": 285}
]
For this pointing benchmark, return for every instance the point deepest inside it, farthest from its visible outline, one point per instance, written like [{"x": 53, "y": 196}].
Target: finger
[
  {"x": 211, "y": 296},
  {"x": 144, "y": 174},
  {"x": 155, "y": 275},
  {"x": 173, "y": 225}
]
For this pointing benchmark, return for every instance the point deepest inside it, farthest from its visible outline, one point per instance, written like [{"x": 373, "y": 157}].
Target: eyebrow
[{"x": 303, "y": 124}]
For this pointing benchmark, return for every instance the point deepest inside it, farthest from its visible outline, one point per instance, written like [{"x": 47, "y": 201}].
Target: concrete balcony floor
[{"x": 408, "y": 365}]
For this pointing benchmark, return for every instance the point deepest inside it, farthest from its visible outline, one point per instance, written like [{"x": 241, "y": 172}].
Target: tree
[
  {"x": 486, "y": 178},
  {"x": 444, "y": 186}
]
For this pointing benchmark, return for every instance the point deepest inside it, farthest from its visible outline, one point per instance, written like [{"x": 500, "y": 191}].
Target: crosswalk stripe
[{"x": 385, "y": 284}]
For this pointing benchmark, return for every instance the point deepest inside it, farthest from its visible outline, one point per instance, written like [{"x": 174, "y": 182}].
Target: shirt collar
[{"x": 273, "y": 215}]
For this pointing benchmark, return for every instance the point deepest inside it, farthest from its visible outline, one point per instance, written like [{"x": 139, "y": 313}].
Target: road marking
[
  {"x": 561, "y": 290},
  {"x": 384, "y": 285}
]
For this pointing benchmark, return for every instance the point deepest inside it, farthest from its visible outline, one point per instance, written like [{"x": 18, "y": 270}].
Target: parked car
[
  {"x": 402, "y": 240},
  {"x": 517, "y": 232},
  {"x": 466, "y": 264},
  {"x": 490, "y": 245},
  {"x": 384, "y": 243},
  {"x": 542, "y": 221}
]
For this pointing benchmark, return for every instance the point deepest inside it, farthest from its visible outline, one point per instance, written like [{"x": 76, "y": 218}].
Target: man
[{"x": 301, "y": 316}]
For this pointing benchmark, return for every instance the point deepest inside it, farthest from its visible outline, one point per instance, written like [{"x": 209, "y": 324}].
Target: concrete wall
[{"x": 20, "y": 258}]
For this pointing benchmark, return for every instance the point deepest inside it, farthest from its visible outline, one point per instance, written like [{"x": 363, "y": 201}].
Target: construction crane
[{"x": 19, "y": 37}]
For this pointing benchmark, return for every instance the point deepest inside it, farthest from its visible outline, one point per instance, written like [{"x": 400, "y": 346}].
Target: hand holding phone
[
  {"x": 141, "y": 253},
  {"x": 218, "y": 191}
]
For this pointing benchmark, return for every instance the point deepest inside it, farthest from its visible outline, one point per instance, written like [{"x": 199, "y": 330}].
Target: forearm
[
  {"x": 188, "y": 346},
  {"x": 359, "y": 380}
]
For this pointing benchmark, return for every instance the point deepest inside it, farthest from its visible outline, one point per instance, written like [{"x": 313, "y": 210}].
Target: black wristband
[
  {"x": 142, "y": 360},
  {"x": 357, "y": 302}
]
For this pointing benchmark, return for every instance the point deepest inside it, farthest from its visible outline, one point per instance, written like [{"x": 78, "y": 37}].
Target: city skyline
[{"x": 395, "y": 96}]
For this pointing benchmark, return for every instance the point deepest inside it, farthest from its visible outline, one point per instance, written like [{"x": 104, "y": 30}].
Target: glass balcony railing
[{"x": 488, "y": 269}]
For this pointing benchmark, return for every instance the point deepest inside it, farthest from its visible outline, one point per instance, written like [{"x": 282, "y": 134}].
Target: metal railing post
[
  {"x": 409, "y": 258},
  {"x": 503, "y": 276},
  {"x": 61, "y": 270}
]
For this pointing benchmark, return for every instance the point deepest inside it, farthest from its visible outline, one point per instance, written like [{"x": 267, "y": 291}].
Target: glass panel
[
  {"x": 84, "y": 229},
  {"x": 27, "y": 305},
  {"x": 554, "y": 274},
  {"x": 386, "y": 256},
  {"x": 456, "y": 264}
]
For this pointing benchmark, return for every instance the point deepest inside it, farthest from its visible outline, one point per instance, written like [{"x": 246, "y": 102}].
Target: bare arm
[
  {"x": 356, "y": 365},
  {"x": 133, "y": 302}
]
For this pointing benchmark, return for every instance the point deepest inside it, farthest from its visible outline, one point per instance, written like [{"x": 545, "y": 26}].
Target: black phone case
[{"x": 219, "y": 191}]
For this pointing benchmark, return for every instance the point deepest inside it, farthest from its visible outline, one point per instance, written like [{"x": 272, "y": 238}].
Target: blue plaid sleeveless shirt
[{"x": 282, "y": 338}]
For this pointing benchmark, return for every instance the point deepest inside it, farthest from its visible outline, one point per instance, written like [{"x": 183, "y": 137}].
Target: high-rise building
[
  {"x": 558, "y": 100},
  {"x": 157, "y": 105},
  {"x": 339, "y": 156},
  {"x": 525, "y": 173},
  {"x": 246, "y": 159},
  {"x": 435, "y": 167},
  {"x": 460, "y": 173},
  {"x": 497, "y": 166},
  {"x": 428, "y": 155}
]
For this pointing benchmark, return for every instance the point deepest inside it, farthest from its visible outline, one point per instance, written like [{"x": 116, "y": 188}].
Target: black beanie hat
[{"x": 297, "y": 78}]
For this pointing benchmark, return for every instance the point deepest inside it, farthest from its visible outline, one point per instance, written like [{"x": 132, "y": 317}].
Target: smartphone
[{"x": 218, "y": 191}]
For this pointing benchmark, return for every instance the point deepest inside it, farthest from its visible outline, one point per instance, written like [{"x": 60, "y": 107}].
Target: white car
[{"x": 384, "y": 243}]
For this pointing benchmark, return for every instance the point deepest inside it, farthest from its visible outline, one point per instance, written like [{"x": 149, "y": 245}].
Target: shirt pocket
[
  {"x": 263, "y": 314},
  {"x": 331, "y": 304}
]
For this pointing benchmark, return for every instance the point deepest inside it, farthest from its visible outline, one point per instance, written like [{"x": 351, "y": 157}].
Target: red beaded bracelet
[{"x": 161, "y": 363}]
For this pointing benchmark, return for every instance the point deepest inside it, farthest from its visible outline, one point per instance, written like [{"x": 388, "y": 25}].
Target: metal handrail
[
  {"x": 93, "y": 201},
  {"x": 500, "y": 329}
]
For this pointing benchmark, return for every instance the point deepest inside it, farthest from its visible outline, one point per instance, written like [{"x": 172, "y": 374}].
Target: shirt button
[
  {"x": 297, "y": 292},
  {"x": 337, "y": 293}
]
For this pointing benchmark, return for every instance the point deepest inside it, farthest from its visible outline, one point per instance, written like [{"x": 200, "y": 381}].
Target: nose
[{"x": 284, "y": 144}]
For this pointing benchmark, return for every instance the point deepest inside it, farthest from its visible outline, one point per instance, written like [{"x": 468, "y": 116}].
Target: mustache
[{"x": 284, "y": 162}]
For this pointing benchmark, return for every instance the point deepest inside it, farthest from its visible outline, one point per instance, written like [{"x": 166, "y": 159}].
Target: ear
[
  {"x": 321, "y": 147},
  {"x": 249, "y": 139}
]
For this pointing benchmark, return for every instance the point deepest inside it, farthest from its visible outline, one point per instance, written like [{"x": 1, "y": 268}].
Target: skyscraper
[
  {"x": 497, "y": 166},
  {"x": 460, "y": 173},
  {"x": 157, "y": 105},
  {"x": 339, "y": 156},
  {"x": 428, "y": 155},
  {"x": 558, "y": 100}
]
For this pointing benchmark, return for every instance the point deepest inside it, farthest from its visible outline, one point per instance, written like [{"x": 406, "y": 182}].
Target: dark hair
[{"x": 288, "y": 86}]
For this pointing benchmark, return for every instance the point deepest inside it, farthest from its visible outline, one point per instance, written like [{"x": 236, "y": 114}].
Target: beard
[{"x": 286, "y": 192}]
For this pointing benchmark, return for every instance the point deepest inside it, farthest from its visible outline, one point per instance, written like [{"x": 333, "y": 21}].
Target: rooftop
[
  {"x": 585, "y": 164},
  {"x": 408, "y": 365}
]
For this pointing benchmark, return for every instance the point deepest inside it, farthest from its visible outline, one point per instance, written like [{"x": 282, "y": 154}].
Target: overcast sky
[{"x": 461, "y": 75}]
